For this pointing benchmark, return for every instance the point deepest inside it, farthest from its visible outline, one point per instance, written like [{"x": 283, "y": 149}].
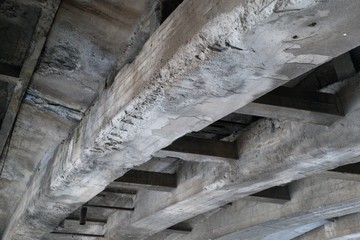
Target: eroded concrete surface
[
  {"x": 85, "y": 42},
  {"x": 76, "y": 131}
]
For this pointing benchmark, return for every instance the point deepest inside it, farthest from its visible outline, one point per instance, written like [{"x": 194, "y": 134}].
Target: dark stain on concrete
[
  {"x": 17, "y": 25},
  {"x": 59, "y": 58},
  {"x": 5, "y": 94}
]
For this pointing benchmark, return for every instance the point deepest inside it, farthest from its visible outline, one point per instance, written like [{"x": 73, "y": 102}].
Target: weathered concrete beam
[
  {"x": 123, "y": 199},
  {"x": 108, "y": 207},
  {"x": 148, "y": 23},
  {"x": 344, "y": 67},
  {"x": 346, "y": 227},
  {"x": 19, "y": 84},
  {"x": 347, "y": 172},
  {"x": 265, "y": 161},
  {"x": 353, "y": 168},
  {"x": 319, "y": 78},
  {"x": 211, "y": 61},
  {"x": 295, "y": 232},
  {"x": 72, "y": 234},
  {"x": 91, "y": 220},
  {"x": 73, "y": 226},
  {"x": 314, "y": 199},
  {"x": 128, "y": 192},
  {"x": 271, "y": 153},
  {"x": 286, "y": 103},
  {"x": 276, "y": 195},
  {"x": 193, "y": 177},
  {"x": 9, "y": 79},
  {"x": 146, "y": 180},
  {"x": 178, "y": 230},
  {"x": 197, "y": 149}
]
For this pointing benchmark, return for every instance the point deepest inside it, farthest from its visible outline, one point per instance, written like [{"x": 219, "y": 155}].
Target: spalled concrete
[
  {"x": 56, "y": 100},
  {"x": 78, "y": 55},
  {"x": 298, "y": 150},
  {"x": 191, "y": 72}
]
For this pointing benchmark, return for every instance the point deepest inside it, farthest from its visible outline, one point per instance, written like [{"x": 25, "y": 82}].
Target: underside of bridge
[{"x": 180, "y": 119}]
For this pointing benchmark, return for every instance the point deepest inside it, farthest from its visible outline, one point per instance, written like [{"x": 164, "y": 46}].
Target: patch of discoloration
[
  {"x": 78, "y": 57},
  {"x": 65, "y": 112},
  {"x": 17, "y": 25},
  {"x": 59, "y": 58}
]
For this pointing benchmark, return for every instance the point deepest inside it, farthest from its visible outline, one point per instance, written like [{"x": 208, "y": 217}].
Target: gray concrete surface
[{"x": 112, "y": 87}]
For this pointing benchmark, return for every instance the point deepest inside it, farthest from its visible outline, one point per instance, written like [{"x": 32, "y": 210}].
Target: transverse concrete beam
[
  {"x": 146, "y": 180},
  {"x": 343, "y": 228},
  {"x": 314, "y": 199},
  {"x": 277, "y": 195},
  {"x": 347, "y": 172},
  {"x": 286, "y": 103},
  {"x": 303, "y": 149},
  {"x": 197, "y": 149}
]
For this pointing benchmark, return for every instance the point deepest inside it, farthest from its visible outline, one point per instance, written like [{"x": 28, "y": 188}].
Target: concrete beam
[
  {"x": 343, "y": 228},
  {"x": 271, "y": 153},
  {"x": 193, "y": 180},
  {"x": 108, "y": 207},
  {"x": 91, "y": 220},
  {"x": 108, "y": 198},
  {"x": 73, "y": 226},
  {"x": 197, "y": 149},
  {"x": 295, "y": 232},
  {"x": 177, "y": 230},
  {"x": 212, "y": 61},
  {"x": 347, "y": 172},
  {"x": 344, "y": 66},
  {"x": 276, "y": 195},
  {"x": 19, "y": 84},
  {"x": 353, "y": 168},
  {"x": 286, "y": 103},
  {"x": 72, "y": 234},
  {"x": 154, "y": 181},
  {"x": 319, "y": 78},
  {"x": 314, "y": 199}
]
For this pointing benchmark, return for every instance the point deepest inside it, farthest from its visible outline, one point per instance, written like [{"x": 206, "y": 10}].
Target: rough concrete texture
[
  {"x": 32, "y": 139},
  {"x": 193, "y": 178},
  {"x": 270, "y": 134},
  {"x": 5, "y": 96},
  {"x": 55, "y": 103},
  {"x": 291, "y": 234},
  {"x": 264, "y": 162},
  {"x": 168, "y": 91},
  {"x": 34, "y": 34},
  {"x": 272, "y": 153},
  {"x": 17, "y": 24},
  {"x": 32, "y": 51},
  {"x": 343, "y": 228},
  {"x": 78, "y": 55},
  {"x": 313, "y": 200}
]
